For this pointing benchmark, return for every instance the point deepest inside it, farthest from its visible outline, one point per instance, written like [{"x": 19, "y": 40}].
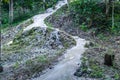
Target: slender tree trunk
[
  {"x": 21, "y": 11},
  {"x": 0, "y": 26},
  {"x": 0, "y": 15},
  {"x": 113, "y": 14},
  {"x": 108, "y": 3},
  {"x": 1, "y": 68},
  {"x": 10, "y": 12},
  {"x": 44, "y": 4},
  {"x": 107, "y": 7},
  {"x": 68, "y": 5}
]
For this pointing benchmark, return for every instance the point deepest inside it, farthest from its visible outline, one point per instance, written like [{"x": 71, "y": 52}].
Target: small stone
[
  {"x": 78, "y": 74},
  {"x": 78, "y": 64},
  {"x": 91, "y": 44},
  {"x": 50, "y": 67},
  {"x": 118, "y": 42},
  {"x": 60, "y": 46}
]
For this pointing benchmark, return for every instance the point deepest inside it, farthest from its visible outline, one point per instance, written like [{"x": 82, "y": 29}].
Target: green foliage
[
  {"x": 97, "y": 72},
  {"x": 117, "y": 76},
  {"x": 24, "y": 9},
  {"x": 85, "y": 11},
  {"x": 102, "y": 36},
  {"x": 42, "y": 59},
  {"x": 48, "y": 24},
  {"x": 16, "y": 65},
  {"x": 50, "y": 3},
  {"x": 83, "y": 27},
  {"x": 116, "y": 28},
  {"x": 29, "y": 62},
  {"x": 92, "y": 13},
  {"x": 90, "y": 44},
  {"x": 86, "y": 7}
]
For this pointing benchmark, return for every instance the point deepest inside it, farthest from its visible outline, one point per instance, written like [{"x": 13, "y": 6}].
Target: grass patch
[
  {"x": 97, "y": 72},
  {"x": 48, "y": 24}
]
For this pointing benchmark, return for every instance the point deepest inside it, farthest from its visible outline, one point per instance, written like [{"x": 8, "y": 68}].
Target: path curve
[
  {"x": 65, "y": 69},
  {"x": 39, "y": 19}
]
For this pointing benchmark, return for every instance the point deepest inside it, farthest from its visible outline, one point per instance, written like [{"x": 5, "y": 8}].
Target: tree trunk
[
  {"x": 1, "y": 68},
  {"x": 10, "y": 12},
  {"x": 107, "y": 7},
  {"x": 0, "y": 15},
  {"x": 44, "y": 4},
  {"x": 108, "y": 4},
  {"x": 108, "y": 59},
  {"x": 68, "y": 4},
  {"x": 113, "y": 14}
]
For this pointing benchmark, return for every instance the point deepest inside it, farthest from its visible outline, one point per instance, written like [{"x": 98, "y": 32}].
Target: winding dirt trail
[
  {"x": 39, "y": 19},
  {"x": 65, "y": 69},
  {"x": 38, "y": 22}
]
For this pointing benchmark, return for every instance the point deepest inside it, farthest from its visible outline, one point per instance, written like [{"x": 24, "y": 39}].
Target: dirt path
[
  {"x": 39, "y": 19},
  {"x": 65, "y": 69},
  {"x": 38, "y": 22}
]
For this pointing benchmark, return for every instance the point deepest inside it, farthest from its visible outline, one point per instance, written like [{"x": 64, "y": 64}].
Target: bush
[{"x": 92, "y": 13}]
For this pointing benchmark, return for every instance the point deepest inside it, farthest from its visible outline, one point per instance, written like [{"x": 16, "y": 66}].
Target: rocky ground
[
  {"x": 93, "y": 59},
  {"x": 9, "y": 33},
  {"x": 27, "y": 53}
]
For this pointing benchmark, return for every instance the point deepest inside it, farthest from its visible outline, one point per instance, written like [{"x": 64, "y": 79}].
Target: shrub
[{"x": 92, "y": 13}]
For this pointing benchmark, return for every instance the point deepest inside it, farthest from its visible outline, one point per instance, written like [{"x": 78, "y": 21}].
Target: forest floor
[{"x": 93, "y": 59}]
